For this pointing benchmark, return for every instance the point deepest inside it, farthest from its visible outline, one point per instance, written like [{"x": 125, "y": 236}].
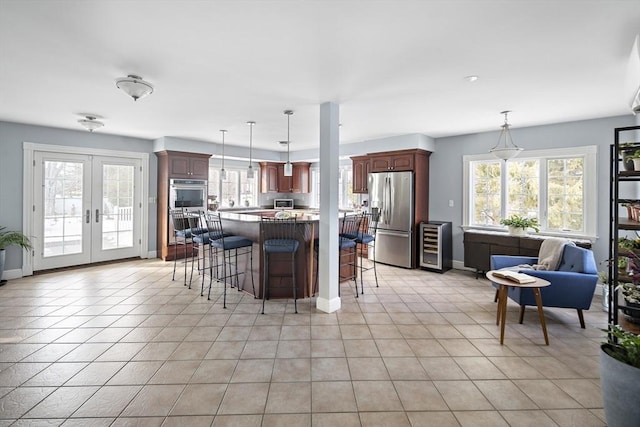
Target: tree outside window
[{"x": 549, "y": 185}]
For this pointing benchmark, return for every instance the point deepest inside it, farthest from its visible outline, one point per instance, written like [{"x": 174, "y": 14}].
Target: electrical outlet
[{"x": 450, "y": 203}]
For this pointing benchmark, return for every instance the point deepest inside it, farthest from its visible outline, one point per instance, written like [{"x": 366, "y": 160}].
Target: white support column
[{"x": 328, "y": 270}]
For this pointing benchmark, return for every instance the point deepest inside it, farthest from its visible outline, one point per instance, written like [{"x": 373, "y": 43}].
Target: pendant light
[
  {"x": 505, "y": 149},
  {"x": 223, "y": 173},
  {"x": 250, "y": 171},
  {"x": 288, "y": 168}
]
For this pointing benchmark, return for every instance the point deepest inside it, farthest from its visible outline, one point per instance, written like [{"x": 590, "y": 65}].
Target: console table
[{"x": 480, "y": 245}]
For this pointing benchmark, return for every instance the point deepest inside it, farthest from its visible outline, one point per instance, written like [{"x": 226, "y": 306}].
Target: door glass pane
[
  {"x": 62, "y": 208},
  {"x": 117, "y": 206}
]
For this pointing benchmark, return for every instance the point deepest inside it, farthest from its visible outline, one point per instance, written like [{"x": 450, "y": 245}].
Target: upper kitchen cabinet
[
  {"x": 187, "y": 165},
  {"x": 361, "y": 166},
  {"x": 392, "y": 161},
  {"x": 300, "y": 180},
  {"x": 268, "y": 177},
  {"x": 272, "y": 179}
]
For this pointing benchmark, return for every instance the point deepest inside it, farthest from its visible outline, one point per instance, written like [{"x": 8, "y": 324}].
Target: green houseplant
[
  {"x": 620, "y": 377},
  {"x": 518, "y": 224},
  {"x": 11, "y": 238}
]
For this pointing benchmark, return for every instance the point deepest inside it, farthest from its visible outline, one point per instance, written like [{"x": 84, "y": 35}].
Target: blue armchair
[{"x": 572, "y": 285}]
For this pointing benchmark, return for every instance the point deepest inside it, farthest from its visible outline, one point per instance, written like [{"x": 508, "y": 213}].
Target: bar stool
[
  {"x": 279, "y": 237},
  {"x": 366, "y": 236},
  {"x": 347, "y": 253},
  {"x": 231, "y": 246},
  {"x": 203, "y": 240},
  {"x": 181, "y": 236}
]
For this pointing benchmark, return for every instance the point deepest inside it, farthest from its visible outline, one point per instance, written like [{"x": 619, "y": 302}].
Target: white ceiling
[{"x": 395, "y": 67}]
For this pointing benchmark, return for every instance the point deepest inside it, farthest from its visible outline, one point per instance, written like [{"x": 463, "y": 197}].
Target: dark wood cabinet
[
  {"x": 175, "y": 165},
  {"x": 268, "y": 177},
  {"x": 284, "y": 182},
  {"x": 480, "y": 245},
  {"x": 272, "y": 179},
  {"x": 300, "y": 181},
  {"x": 188, "y": 165},
  {"x": 392, "y": 161},
  {"x": 361, "y": 171}
]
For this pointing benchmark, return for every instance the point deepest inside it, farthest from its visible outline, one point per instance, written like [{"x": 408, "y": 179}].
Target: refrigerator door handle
[
  {"x": 394, "y": 233},
  {"x": 387, "y": 199}
]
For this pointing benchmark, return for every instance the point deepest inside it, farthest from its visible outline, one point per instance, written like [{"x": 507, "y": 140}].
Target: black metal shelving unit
[{"x": 617, "y": 223}]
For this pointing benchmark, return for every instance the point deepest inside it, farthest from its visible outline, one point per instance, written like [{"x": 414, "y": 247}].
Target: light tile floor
[{"x": 123, "y": 345}]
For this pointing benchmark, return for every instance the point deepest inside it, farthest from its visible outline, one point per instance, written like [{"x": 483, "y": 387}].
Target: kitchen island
[{"x": 247, "y": 224}]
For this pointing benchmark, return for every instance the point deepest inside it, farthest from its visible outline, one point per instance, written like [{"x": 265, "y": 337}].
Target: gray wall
[
  {"x": 446, "y": 168},
  {"x": 12, "y": 136}
]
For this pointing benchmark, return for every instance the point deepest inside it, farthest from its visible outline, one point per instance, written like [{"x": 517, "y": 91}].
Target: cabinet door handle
[
  {"x": 97, "y": 215},
  {"x": 87, "y": 216}
]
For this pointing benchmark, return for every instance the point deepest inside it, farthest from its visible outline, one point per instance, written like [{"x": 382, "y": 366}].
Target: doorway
[{"x": 86, "y": 208}]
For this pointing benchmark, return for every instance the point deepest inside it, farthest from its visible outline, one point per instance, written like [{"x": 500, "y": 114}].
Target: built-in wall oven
[{"x": 189, "y": 195}]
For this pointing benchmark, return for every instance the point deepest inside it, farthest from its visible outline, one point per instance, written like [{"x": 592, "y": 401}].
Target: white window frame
[
  {"x": 590, "y": 187},
  {"x": 217, "y": 184},
  {"x": 345, "y": 172}
]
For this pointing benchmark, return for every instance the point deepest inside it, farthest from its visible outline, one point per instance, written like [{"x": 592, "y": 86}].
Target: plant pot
[
  {"x": 517, "y": 231},
  {"x": 632, "y": 314},
  {"x": 627, "y": 163},
  {"x": 620, "y": 386},
  {"x": 636, "y": 164}
]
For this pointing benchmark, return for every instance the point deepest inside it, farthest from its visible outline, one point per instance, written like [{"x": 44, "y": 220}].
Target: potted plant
[
  {"x": 11, "y": 238},
  {"x": 620, "y": 377},
  {"x": 628, "y": 152},
  {"x": 635, "y": 157},
  {"x": 518, "y": 225}
]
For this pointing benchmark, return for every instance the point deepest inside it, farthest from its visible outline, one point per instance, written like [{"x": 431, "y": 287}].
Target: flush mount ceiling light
[
  {"x": 288, "y": 168},
  {"x": 471, "y": 79},
  {"x": 90, "y": 123},
  {"x": 250, "y": 171},
  {"x": 505, "y": 149},
  {"x": 134, "y": 86},
  {"x": 223, "y": 173}
]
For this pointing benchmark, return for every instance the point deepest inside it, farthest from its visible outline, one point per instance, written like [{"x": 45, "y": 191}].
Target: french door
[{"x": 86, "y": 209}]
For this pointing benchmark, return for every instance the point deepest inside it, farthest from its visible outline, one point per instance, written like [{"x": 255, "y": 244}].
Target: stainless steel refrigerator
[{"x": 391, "y": 196}]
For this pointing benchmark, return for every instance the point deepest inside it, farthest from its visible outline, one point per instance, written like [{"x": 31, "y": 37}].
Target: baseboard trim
[
  {"x": 328, "y": 305},
  {"x": 16, "y": 273},
  {"x": 459, "y": 265},
  {"x": 152, "y": 254}
]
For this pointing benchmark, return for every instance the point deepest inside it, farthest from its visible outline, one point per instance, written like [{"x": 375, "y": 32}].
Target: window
[
  {"x": 346, "y": 198},
  {"x": 556, "y": 186},
  {"x": 236, "y": 190}
]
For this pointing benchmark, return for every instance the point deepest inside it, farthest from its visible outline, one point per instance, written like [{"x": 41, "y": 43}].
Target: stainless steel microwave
[{"x": 282, "y": 203}]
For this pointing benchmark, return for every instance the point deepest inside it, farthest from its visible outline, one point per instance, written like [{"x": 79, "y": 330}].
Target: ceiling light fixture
[
  {"x": 134, "y": 86},
  {"x": 223, "y": 173},
  {"x": 288, "y": 168},
  {"x": 471, "y": 78},
  {"x": 505, "y": 149},
  {"x": 90, "y": 123},
  {"x": 250, "y": 171}
]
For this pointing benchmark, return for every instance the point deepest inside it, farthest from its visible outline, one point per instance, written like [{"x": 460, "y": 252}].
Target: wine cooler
[{"x": 436, "y": 249}]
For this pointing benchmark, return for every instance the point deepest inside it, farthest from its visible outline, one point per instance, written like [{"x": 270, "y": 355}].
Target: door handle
[
  {"x": 97, "y": 215},
  {"x": 87, "y": 216}
]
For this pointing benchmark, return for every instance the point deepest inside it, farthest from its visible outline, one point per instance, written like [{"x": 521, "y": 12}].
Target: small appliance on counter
[{"x": 283, "y": 204}]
